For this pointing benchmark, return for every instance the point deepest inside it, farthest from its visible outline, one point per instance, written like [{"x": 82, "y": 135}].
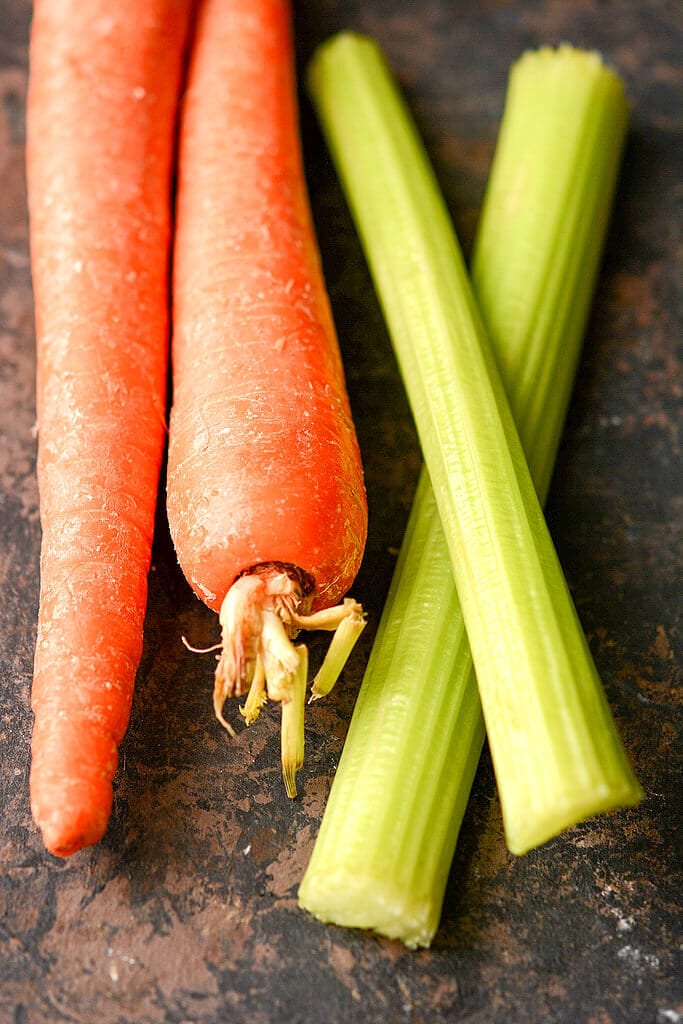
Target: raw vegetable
[
  {"x": 99, "y": 162},
  {"x": 386, "y": 842},
  {"x": 266, "y": 501}
]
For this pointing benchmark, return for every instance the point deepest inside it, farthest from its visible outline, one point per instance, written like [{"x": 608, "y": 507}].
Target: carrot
[
  {"x": 104, "y": 88},
  {"x": 265, "y": 484}
]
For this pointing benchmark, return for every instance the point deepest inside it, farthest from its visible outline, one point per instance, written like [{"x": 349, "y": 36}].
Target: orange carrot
[
  {"x": 103, "y": 96},
  {"x": 265, "y": 480}
]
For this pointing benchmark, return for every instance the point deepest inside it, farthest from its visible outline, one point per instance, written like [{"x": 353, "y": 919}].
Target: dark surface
[{"x": 187, "y": 910}]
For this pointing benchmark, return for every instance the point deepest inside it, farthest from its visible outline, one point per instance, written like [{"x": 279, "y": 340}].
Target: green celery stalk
[{"x": 386, "y": 842}]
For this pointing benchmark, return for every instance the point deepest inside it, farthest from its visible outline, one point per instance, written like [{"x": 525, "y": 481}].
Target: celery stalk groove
[{"x": 417, "y": 730}]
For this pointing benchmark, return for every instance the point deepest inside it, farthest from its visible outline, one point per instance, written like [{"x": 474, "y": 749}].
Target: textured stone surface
[{"x": 186, "y": 912}]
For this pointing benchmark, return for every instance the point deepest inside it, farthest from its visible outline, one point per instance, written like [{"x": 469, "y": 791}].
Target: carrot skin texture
[
  {"x": 103, "y": 94},
  {"x": 264, "y": 463}
]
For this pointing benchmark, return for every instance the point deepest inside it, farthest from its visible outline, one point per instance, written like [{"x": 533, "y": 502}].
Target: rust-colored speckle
[
  {"x": 287, "y": 870},
  {"x": 662, "y": 645}
]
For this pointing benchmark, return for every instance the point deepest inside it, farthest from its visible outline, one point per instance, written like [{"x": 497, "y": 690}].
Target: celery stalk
[
  {"x": 384, "y": 850},
  {"x": 388, "y": 833}
]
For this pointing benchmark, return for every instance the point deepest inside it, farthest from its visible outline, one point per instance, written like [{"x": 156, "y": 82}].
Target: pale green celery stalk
[{"x": 385, "y": 845}]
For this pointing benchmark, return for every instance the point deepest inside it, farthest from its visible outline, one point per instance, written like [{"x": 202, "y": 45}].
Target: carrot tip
[{"x": 64, "y": 834}]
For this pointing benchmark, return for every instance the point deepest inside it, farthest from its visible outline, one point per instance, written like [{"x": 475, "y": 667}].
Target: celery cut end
[
  {"x": 353, "y": 901},
  {"x": 530, "y": 832},
  {"x": 566, "y": 59}
]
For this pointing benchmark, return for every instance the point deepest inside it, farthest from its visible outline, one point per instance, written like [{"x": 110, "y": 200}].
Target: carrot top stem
[
  {"x": 348, "y": 622},
  {"x": 292, "y": 730},
  {"x": 260, "y": 616},
  {"x": 256, "y": 697}
]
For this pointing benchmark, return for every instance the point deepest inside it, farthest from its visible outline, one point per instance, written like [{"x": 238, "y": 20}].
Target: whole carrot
[
  {"x": 104, "y": 88},
  {"x": 266, "y": 501}
]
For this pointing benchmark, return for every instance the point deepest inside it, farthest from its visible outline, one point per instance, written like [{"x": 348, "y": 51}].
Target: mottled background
[{"x": 186, "y": 912}]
